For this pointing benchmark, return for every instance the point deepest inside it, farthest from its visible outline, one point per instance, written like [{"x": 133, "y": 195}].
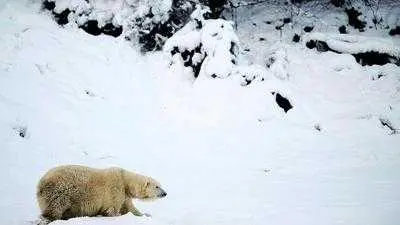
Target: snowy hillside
[{"x": 222, "y": 146}]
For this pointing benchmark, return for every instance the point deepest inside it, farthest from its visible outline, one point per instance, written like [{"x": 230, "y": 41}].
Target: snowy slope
[{"x": 225, "y": 153}]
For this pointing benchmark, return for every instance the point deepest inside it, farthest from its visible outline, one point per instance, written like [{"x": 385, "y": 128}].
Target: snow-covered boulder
[
  {"x": 278, "y": 63},
  {"x": 366, "y": 50},
  {"x": 252, "y": 73}
]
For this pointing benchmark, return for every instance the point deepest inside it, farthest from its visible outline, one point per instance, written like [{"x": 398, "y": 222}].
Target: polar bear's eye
[{"x": 157, "y": 187}]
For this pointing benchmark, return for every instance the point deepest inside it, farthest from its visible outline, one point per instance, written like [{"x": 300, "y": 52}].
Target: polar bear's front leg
[{"x": 129, "y": 207}]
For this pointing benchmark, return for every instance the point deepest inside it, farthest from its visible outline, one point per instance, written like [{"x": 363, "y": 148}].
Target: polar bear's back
[{"x": 78, "y": 190}]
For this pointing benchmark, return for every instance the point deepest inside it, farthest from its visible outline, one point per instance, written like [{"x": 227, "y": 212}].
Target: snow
[{"x": 225, "y": 153}]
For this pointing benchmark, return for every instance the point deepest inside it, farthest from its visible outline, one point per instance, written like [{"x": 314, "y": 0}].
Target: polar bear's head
[
  {"x": 143, "y": 187},
  {"x": 152, "y": 190}
]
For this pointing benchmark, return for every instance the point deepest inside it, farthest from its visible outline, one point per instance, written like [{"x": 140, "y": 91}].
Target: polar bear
[{"x": 72, "y": 191}]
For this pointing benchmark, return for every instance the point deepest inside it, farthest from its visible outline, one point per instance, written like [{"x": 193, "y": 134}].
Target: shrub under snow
[
  {"x": 204, "y": 46},
  {"x": 117, "y": 12},
  {"x": 149, "y": 22}
]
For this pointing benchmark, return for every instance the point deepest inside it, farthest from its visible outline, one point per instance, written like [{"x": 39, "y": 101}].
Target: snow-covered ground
[{"x": 225, "y": 153}]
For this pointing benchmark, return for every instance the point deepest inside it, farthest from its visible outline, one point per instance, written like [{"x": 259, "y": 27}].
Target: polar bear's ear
[{"x": 147, "y": 183}]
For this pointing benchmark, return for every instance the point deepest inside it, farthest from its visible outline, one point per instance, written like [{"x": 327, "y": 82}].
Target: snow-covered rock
[
  {"x": 352, "y": 44},
  {"x": 278, "y": 62},
  {"x": 366, "y": 50}
]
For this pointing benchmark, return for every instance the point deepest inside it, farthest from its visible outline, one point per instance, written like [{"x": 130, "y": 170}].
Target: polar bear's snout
[{"x": 162, "y": 193}]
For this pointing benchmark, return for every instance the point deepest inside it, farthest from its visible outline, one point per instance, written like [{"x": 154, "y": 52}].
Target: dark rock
[
  {"x": 308, "y": 29},
  {"x": 395, "y": 31},
  {"x": 279, "y": 27},
  {"x": 174, "y": 50},
  {"x": 199, "y": 24},
  {"x": 91, "y": 27},
  {"x": 149, "y": 14},
  {"x": 287, "y": 20},
  {"x": 233, "y": 48},
  {"x": 311, "y": 44},
  {"x": 374, "y": 58},
  {"x": 338, "y": 3},
  {"x": 283, "y": 102},
  {"x": 48, "y": 5},
  {"x": 110, "y": 29},
  {"x": 321, "y": 46},
  {"x": 353, "y": 18},
  {"x": 185, "y": 54},
  {"x": 342, "y": 29},
  {"x": 216, "y": 6},
  {"x": 379, "y": 76},
  {"x": 296, "y": 38},
  {"x": 62, "y": 18}
]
